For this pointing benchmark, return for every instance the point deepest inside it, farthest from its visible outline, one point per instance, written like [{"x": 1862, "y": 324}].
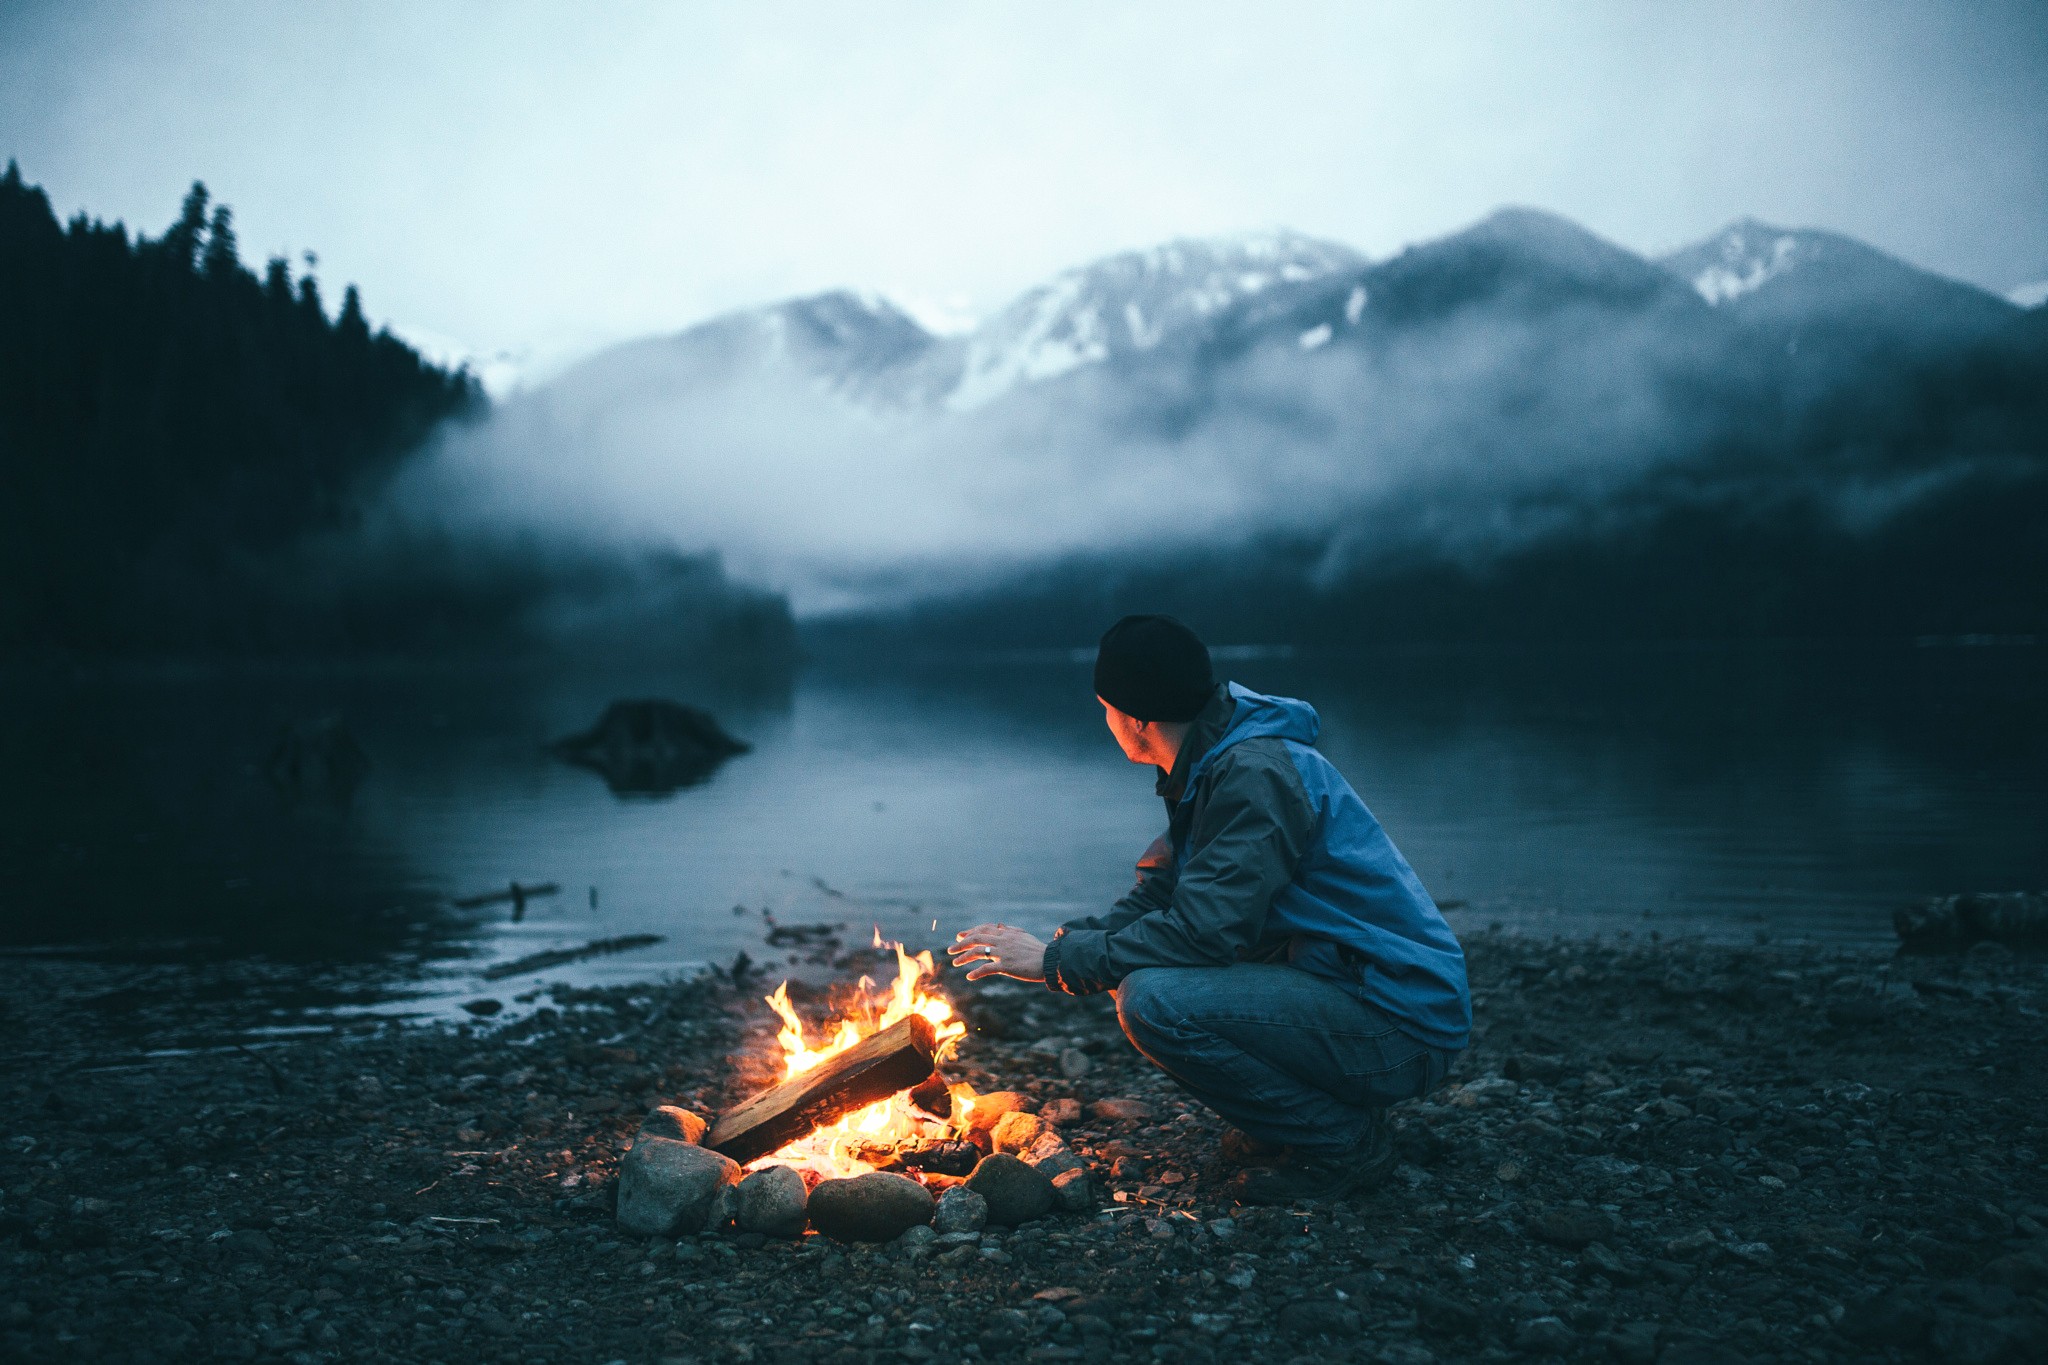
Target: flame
[{"x": 826, "y": 1151}]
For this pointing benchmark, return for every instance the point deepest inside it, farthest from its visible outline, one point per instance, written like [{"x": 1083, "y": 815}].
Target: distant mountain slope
[
  {"x": 1763, "y": 420},
  {"x": 1808, "y": 286}
]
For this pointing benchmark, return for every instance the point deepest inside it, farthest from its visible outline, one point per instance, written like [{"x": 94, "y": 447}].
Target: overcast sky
[{"x": 541, "y": 179}]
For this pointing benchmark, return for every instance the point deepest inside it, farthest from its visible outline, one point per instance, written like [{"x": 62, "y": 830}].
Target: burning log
[{"x": 876, "y": 1068}]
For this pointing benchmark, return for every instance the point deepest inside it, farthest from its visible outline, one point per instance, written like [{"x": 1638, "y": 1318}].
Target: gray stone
[
  {"x": 876, "y": 1207},
  {"x": 1016, "y": 1192},
  {"x": 960, "y": 1210},
  {"x": 1016, "y": 1132},
  {"x": 771, "y": 1202},
  {"x": 673, "y": 1121},
  {"x": 724, "y": 1209},
  {"x": 1071, "y": 1191},
  {"x": 1051, "y": 1155},
  {"x": 668, "y": 1186},
  {"x": 1074, "y": 1064}
]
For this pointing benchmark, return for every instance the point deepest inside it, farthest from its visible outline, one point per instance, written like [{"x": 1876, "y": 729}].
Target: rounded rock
[
  {"x": 673, "y": 1121},
  {"x": 876, "y": 1207},
  {"x": 667, "y": 1186},
  {"x": 1016, "y": 1192},
  {"x": 960, "y": 1210},
  {"x": 772, "y": 1202}
]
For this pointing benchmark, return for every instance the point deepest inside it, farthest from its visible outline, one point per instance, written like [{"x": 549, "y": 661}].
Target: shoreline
[{"x": 1681, "y": 1151}]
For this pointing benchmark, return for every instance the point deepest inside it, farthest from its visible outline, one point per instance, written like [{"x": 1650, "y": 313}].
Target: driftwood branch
[
  {"x": 535, "y": 962},
  {"x": 895, "y": 1059}
]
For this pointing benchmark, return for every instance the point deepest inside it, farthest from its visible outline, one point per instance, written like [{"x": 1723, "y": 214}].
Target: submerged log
[{"x": 895, "y": 1059}]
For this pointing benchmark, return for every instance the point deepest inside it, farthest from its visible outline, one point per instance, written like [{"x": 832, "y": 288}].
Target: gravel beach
[{"x": 1654, "y": 1151}]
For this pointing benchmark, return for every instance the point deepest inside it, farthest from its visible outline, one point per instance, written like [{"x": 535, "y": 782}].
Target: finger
[
  {"x": 987, "y": 969},
  {"x": 978, "y": 931}
]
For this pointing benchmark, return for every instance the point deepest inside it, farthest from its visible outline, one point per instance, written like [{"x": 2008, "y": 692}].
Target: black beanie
[{"x": 1153, "y": 668}]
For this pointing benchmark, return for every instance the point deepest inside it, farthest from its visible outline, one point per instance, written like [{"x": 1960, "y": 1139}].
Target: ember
[{"x": 881, "y": 1132}]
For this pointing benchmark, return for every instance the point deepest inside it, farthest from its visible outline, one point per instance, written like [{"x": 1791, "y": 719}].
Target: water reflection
[{"x": 1794, "y": 792}]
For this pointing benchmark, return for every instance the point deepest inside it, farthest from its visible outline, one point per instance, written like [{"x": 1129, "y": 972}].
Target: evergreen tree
[
  {"x": 181, "y": 242},
  {"x": 351, "y": 323},
  {"x": 221, "y": 259}
]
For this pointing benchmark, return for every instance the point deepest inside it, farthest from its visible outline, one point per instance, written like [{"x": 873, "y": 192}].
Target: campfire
[{"x": 868, "y": 1097}]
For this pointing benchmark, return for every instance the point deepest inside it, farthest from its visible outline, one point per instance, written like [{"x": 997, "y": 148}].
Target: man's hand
[{"x": 998, "y": 950}]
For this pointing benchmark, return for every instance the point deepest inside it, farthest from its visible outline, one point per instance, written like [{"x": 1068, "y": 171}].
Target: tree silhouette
[{"x": 170, "y": 426}]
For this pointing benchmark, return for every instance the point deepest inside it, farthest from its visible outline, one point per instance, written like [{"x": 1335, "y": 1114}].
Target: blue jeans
[{"x": 1286, "y": 1056}]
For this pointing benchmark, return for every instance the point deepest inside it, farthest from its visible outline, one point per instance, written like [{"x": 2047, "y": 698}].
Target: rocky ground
[{"x": 1653, "y": 1152}]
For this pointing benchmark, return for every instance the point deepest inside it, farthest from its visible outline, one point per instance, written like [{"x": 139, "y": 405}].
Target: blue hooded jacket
[{"x": 1270, "y": 855}]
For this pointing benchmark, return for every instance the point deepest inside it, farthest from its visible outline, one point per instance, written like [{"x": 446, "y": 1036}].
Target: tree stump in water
[{"x": 651, "y": 747}]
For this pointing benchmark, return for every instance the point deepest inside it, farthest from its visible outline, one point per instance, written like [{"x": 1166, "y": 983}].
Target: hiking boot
[
  {"x": 1240, "y": 1148},
  {"x": 1321, "y": 1175}
]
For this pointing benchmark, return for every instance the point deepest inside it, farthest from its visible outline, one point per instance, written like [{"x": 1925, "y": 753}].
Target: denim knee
[{"x": 1141, "y": 1004}]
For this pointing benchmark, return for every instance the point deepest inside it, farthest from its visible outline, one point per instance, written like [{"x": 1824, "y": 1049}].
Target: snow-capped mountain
[
  {"x": 1742, "y": 258},
  {"x": 2028, "y": 295},
  {"x": 1805, "y": 282},
  {"x": 1131, "y": 303},
  {"x": 1156, "y": 328},
  {"x": 865, "y": 348},
  {"x": 1516, "y": 261}
]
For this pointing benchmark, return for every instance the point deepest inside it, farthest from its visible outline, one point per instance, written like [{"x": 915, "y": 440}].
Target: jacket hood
[{"x": 1258, "y": 716}]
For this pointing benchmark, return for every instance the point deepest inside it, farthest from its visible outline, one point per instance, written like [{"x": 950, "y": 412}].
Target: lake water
[{"x": 1723, "y": 792}]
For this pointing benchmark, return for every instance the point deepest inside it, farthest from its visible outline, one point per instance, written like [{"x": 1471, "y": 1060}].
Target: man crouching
[{"x": 1278, "y": 957}]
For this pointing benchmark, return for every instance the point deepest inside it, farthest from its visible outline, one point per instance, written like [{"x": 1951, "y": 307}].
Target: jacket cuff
[
  {"x": 1077, "y": 956},
  {"x": 1052, "y": 964}
]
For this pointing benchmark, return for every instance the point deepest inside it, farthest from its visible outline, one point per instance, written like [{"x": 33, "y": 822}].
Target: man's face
[{"x": 1132, "y": 736}]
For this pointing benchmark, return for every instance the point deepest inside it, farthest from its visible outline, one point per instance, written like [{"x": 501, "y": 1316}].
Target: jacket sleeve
[{"x": 1251, "y": 829}]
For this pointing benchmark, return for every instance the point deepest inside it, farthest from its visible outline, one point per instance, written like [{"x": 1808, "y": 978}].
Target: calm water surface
[{"x": 1795, "y": 793}]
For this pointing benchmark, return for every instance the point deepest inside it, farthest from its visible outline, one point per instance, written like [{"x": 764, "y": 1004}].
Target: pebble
[
  {"x": 876, "y": 1207},
  {"x": 667, "y": 1186},
  {"x": 960, "y": 1210},
  {"x": 1120, "y": 1110},
  {"x": 772, "y": 1201},
  {"x": 1074, "y": 1064},
  {"x": 1566, "y": 1226},
  {"x": 1319, "y": 1318},
  {"x": 1545, "y": 1336},
  {"x": 1016, "y": 1192},
  {"x": 1061, "y": 1111}
]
